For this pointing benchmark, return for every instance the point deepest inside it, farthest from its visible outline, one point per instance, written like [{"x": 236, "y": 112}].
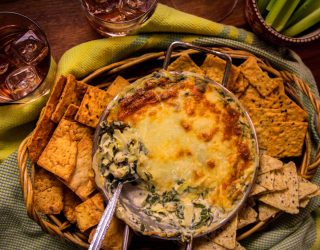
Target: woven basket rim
[{"x": 54, "y": 226}]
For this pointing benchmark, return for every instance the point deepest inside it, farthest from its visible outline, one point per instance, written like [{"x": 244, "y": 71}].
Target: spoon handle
[{"x": 105, "y": 220}]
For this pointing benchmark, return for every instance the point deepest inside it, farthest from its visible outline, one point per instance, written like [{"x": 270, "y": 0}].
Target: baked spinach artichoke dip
[{"x": 192, "y": 147}]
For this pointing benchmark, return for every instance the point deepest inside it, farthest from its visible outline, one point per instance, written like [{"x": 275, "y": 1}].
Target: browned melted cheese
[{"x": 192, "y": 133}]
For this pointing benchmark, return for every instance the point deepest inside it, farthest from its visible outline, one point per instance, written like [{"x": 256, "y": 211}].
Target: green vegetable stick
[
  {"x": 262, "y": 4},
  {"x": 304, "y": 24},
  {"x": 271, "y": 3},
  {"x": 275, "y": 11},
  {"x": 285, "y": 14},
  {"x": 303, "y": 10}
]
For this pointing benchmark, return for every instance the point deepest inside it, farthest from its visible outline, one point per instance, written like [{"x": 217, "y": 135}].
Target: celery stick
[
  {"x": 275, "y": 11},
  {"x": 304, "y": 24},
  {"x": 285, "y": 14},
  {"x": 262, "y": 4},
  {"x": 271, "y": 3},
  {"x": 303, "y": 10}
]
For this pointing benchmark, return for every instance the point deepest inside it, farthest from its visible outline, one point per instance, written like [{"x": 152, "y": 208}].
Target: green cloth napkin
[{"x": 165, "y": 26}]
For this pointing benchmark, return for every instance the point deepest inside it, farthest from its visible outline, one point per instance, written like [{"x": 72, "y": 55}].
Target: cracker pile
[
  {"x": 62, "y": 142},
  {"x": 61, "y": 145},
  {"x": 281, "y": 125},
  {"x": 278, "y": 188}
]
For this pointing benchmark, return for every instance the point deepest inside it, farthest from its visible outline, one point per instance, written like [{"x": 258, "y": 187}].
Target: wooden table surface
[{"x": 66, "y": 25}]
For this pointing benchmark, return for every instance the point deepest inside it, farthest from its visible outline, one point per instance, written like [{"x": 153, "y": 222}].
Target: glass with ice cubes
[
  {"x": 24, "y": 59},
  {"x": 117, "y": 17}
]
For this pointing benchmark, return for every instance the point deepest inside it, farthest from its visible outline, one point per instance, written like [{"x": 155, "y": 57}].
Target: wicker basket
[{"x": 132, "y": 69}]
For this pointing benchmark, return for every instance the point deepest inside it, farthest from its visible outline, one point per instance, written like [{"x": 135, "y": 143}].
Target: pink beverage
[
  {"x": 24, "y": 57},
  {"x": 117, "y": 17}
]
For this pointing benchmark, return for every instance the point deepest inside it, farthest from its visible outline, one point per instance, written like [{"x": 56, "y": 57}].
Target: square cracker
[
  {"x": 185, "y": 63},
  {"x": 257, "y": 78},
  {"x": 89, "y": 212},
  {"x": 117, "y": 86},
  {"x": 72, "y": 94},
  {"x": 114, "y": 236},
  {"x": 287, "y": 200},
  {"x": 96, "y": 100},
  {"x": 251, "y": 99},
  {"x": 60, "y": 155},
  {"x": 213, "y": 67},
  {"x": 70, "y": 203},
  {"x": 45, "y": 127},
  {"x": 258, "y": 115},
  {"x": 268, "y": 163},
  {"x": 282, "y": 139},
  {"x": 82, "y": 179},
  {"x": 48, "y": 193},
  {"x": 226, "y": 236}
]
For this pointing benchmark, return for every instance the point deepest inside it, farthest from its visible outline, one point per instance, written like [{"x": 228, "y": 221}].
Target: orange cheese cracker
[
  {"x": 185, "y": 63},
  {"x": 72, "y": 94},
  {"x": 45, "y": 126},
  {"x": 60, "y": 155}
]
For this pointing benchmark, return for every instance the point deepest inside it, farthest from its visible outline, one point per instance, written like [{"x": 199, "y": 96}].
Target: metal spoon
[{"x": 108, "y": 213}]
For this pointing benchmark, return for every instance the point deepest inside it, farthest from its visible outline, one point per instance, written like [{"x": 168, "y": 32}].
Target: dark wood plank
[{"x": 66, "y": 25}]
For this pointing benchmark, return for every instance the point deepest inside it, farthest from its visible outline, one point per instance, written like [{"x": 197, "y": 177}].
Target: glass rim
[
  {"x": 49, "y": 53},
  {"x": 151, "y": 7}
]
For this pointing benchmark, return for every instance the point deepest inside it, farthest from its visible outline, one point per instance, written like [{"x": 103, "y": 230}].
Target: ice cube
[
  {"x": 30, "y": 48},
  {"x": 140, "y": 5},
  {"x": 4, "y": 64},
  {"x": 22, "y": 81}
]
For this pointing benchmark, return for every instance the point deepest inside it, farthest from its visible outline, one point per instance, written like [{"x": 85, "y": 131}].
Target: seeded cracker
[
  {"x": 279, "y": 180},
  {"x": 239, "y": 85},
  {"x": 257, "y": 78},
  {"x": 268, "y": 163},
  {"x": 246, "y": 216},
  {"x": 257, "y": 189},
  {"x": 185, "y": 63},
  {"x": 48, "y": 193},
  {"x": 266, "y": 180},
  {"x": 45, "y": 127},
  {"x": 226, "y": 236},
  {"x": 277, "y": 138},
  {"x": 60, "y": 155},
  {"x": 258, "y": 115},
  {"x": 306, "y": 188},
  {"x": 72, "y": 94},
  {"x": 214, "y": 67},
  {"x": 89, "y": 212},
  {"x": 266, "y": 212},
  {"x": 251, "y": 99},
  {"x": 70, "y": 203},
  {"x": 96, "y": 100},
  {"x": 287, "y": 200}
]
